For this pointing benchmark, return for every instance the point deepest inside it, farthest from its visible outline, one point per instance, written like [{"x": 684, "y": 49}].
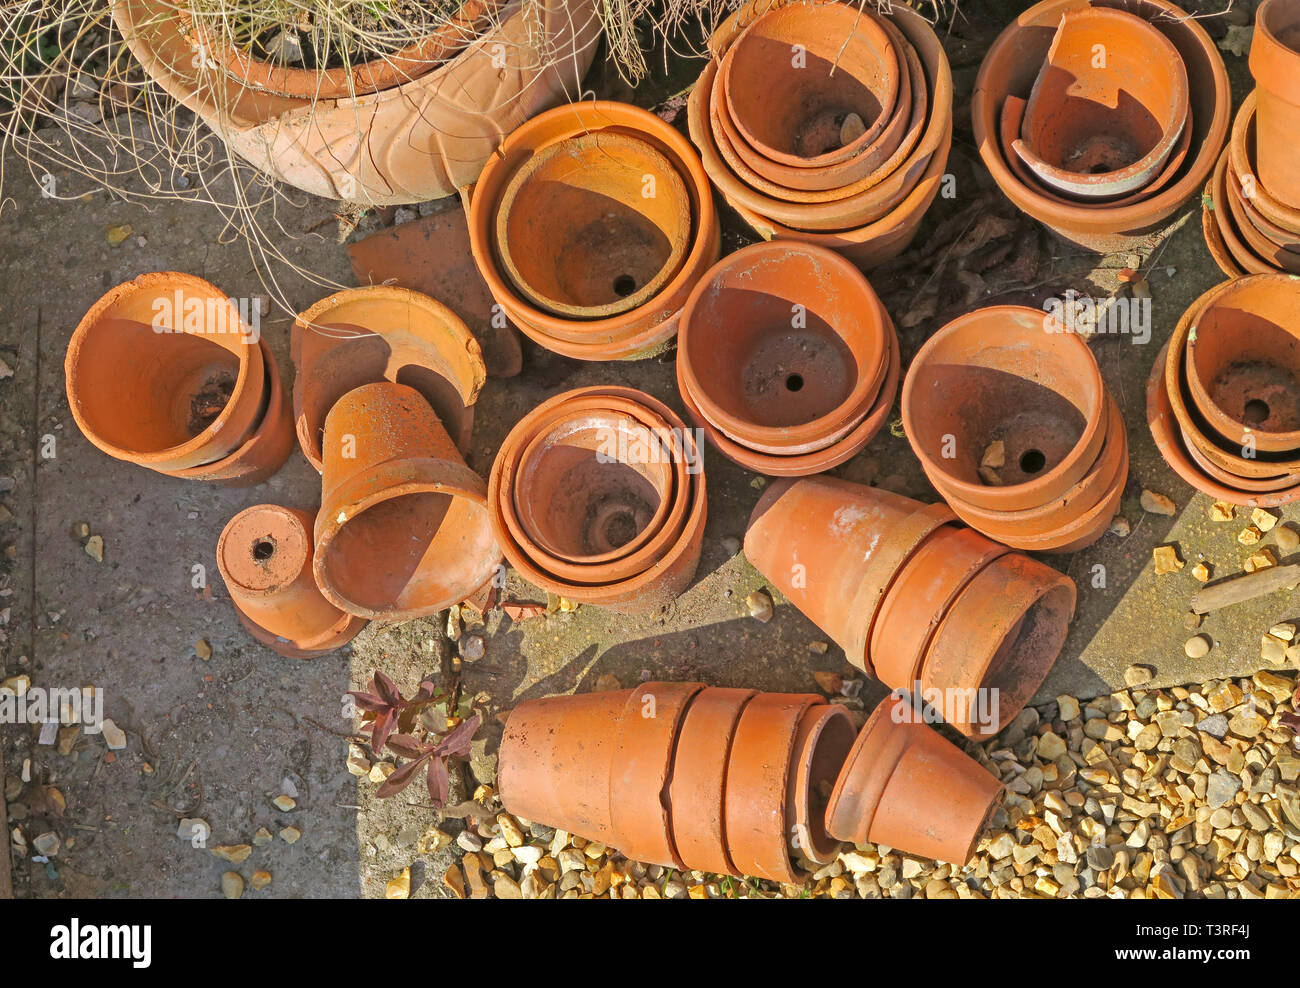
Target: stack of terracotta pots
[
  {"x": 787, "y": 359},
  {"x": 1014, "y": 426},
  {"x": 598, "y": 496},
  {"x": 1223, "y": 400},
  {"x": 1251, "y": 209},
  {"x": 165, "y": 372},
  {"x": 826, "y": 123},
  {"x": 590, "y": 225},
  {"x": 914, "y": 599},
  {"x": 731, "y": 781},
  {"x": 1101, "y": 119}
]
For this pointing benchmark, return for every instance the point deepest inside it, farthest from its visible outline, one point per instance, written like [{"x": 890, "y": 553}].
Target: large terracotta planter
[
  {"x": 264, "y": 555},
  {"x": 1010, "y": 69},
  {"x": 419, "y": 140},
  {"x": 1275, "y": 64},
  {"x": 634, "y": 334},
  {"x": 885, "y": 576},
  {"x": 383, "y": 333},
  {"x": 662, "y": 560},
  {"x": 784, "y": 348},
  {"x": 593, "y": 226},
  {"x": 198, "y": 396},
  {"x": 1099, "y": 130},
  {"x": 999, "y": 374},
  {"x": 907, "y": 787},
  {"x": 403, "y": 528}
]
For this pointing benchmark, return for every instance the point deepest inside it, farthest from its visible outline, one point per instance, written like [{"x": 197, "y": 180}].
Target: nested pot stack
[
  {"x": 1007, "y": 411},
  {"x": 1251, "y": 207},
  {"x": 1223, "y": 400},
  {"x": 914, "y": 598},
  {"x": 787, "y": 359},
  {"x": 732, "y": 781},
  {"x": 826, "y": 123},
  {"x": 1101, "y": 119},
  {"x": 598, "y": 496},
  {"x": 165, "y": 372},
  {"x": 590, "y": 225}
]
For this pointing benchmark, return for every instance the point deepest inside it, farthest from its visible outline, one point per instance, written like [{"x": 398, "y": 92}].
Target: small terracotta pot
[
  {"x": 696, "y": 791},
  {"x": 642, "y": 768},
  {"x": 784, "y": 347},
  {"x": 1244, "y": 155},
  {"x": 383, "y": 333},
  {"x": 801, "y": 465},
  {"x": 793, "y": 75},
  {"x": 1001, "y": 374},
  {"x": 593, "y": 226},
  {"x": 1002, "y": 632},
  {"x": 198, "y": 396},
  {"x": 758, "y": 775},
  {"x": 1103, "y": 131},
  {"x": 267, "y": 446},
  {"x": 1244, "y": 209},
  {"x": 578, "y": 500},
  {"x": 1275, "y": 64},
  {"x": 833, "y": 548},
  {"x": 1170, "y": 444},
  {"x": 825, "y": 738},
  {"x": 403, "y": 529},
  {"x": 1262, "y": 248},
  {"x": 652, "y": 586},
  {"x": 629, "y": 335},
  {"x": 1012, "y": 65},
  {"x": 907, "y": 787},
  {"x": 1243, "y": 361},
  {"x": 555, "y": 761},
  {"x": 264, "y": 555},
  {"x": 1242, "y": 257}
]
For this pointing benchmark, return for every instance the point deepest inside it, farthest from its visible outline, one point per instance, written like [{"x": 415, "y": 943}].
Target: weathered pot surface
[
  {"x": 264, "y": 555},
  {"x": 1275, "y": 64}
]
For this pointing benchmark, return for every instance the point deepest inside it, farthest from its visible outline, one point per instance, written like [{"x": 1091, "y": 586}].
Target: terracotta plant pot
[
  {"x": 1275, "y": 64},
  {"x": 907, "y": 787},
  {"x": 639, "y": 332},
  {"x": 267, "y": 446},
  {"x": 1240, "y": 258},
  {"x": 784, "y": 347},
  {"x": 422, "y": 139},
  {"x": 1244, "y": 157},
  {"x": 999, "y": 374},
  {"x": 794, "y": 74},
  {"x": 641, "y": 580},
  {"x": 198, "y": 397},
  {"x": 1175, "y": 451},
  {"x": 403, "y": 529},
  {"x": 1101, "y": 131},
  {"x": 873, "y": 569},
  {"x": 265, "y": 558},
  {"x": 383, "y": 333},
  {"x": 593, "y": 226},
  {"x": 1010, "y": 69},
  {"x": 821, "y": 747}
]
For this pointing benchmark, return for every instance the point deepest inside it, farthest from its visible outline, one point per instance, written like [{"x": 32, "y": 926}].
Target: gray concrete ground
[{"x": 217, "y": 739}]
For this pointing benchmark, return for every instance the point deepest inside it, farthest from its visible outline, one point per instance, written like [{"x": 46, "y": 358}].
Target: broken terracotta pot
[
  {"x": 593, "y": 226},
  {"x": 600, "y": 481},
  {"x": 1275, "y": 64},
  {"x": 403, "y": 529},
  {"x": 1010, "y": 69},
  {"x": 265, "y": 558},
  {"x": 784, "y": 347},
  {"x": 1103, "y": 126},
  {"x": 821, "y": 747},
  {"x": 907, "y": 787},
  {"x": 198, "y": 397},
  {"x": 870, "y": 567},
  {"x": 638, "y": 332},
  {"x": 383, "y": 333},
  {"x": 421, "y": 139},
  {"x": 1004, "y": 411},
  {"x": 267, "y": 446}
]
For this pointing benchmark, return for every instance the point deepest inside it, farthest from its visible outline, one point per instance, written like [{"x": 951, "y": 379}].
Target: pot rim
[
  {"x": 1242, "y": 256},
  {"x": 876, "y": 753},
  {"x": 1239, "y": 148},
  {"x": 807, "y": 826}
]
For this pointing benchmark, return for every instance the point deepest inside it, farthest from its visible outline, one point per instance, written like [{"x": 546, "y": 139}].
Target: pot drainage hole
[
  {"x": 1032, "y": 461},
  {"x": 1256, "y": 411},
  {"x": 263, "y": 549},
  {"x": 624, "y": 285}
]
